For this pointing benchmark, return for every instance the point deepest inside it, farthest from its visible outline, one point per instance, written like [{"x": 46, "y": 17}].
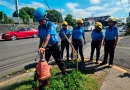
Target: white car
[{"x": 121, "y": 29}]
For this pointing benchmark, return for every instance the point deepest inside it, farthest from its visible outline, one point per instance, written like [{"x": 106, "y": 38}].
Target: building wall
[
  {"x": 97, "y": 18},
  {"x": 19, "y": 20}
]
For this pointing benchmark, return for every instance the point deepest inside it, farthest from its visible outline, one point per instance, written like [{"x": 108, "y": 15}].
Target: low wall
[{"x": 12, "y": 27}]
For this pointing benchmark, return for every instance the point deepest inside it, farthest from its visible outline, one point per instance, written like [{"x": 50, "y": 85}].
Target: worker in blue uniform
[
  {"x": 78, "y": 36},
  {"x": 97, "y": 37},
  {"x": 49, "y": 39},
  {"x": 110, "y": 41},
  {"x": 64, "y": 42}
]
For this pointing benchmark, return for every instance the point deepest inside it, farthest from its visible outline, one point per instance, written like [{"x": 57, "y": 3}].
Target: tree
[
  {"x": 70, "y": 20},
  {"x": 4, "y": 19},
  {"x": 26, "y": 19},
  {"x": 9, "y": 21},
  {"x": 27, "y": 10},
  {"x": 54, "y": 16}
]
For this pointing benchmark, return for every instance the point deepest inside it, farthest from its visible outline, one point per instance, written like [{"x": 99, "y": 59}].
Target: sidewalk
[{"x": 118, "y": 77}]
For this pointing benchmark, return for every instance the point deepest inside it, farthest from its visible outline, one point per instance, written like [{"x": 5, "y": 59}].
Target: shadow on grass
[
  {"x": 25, "y": 85},
  {"x": 87, "y": 68}
]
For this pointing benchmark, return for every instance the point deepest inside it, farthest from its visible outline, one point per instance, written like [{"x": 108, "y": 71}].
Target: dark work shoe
[
  {"x": 90, "y": 60},
  {"x": 103, "y": 63},
  {"x": 83, "y": 62},
  {"x": 64, "y": 73},
  {"x": 96, "y": 62},
  {"x": 68, "y": 60},
  {"x": 110, "y": 66}
]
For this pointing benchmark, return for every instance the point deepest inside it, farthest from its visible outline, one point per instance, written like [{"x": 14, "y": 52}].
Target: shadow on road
[
  {"x": 33, "y": 65},
  {"x": 124, "y": 75},
  {"x": 3, "y": 40}
]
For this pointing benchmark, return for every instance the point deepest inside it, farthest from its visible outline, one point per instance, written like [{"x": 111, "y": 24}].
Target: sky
[{"x": 78, "y": 8}]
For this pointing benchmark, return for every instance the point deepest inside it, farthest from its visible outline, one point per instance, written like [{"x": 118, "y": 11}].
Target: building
[
  {"x": 121, "y": 20},
  {"x": 96, "y": 19},
  {"x": 127, "y": 19},
  {"x": 19, "y": 20}
]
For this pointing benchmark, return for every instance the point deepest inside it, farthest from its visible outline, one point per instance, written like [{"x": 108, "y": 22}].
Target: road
[{"x": 16, "y": 55}]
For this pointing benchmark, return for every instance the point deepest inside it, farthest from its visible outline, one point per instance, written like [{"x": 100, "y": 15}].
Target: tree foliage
[
  {"x": 4, "y": 19},
  {"x": 71, "y": 21},
  {"x": 54, "y": 16},
  {"x": 26, "y": 19},
  {"x": 128, "y": 25},
  {"x": 25, "y": 13},
  {"x": 25, "y": 10}
]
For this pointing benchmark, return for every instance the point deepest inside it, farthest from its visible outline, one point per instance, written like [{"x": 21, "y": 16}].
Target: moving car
[{"x": 21, "y": 33}]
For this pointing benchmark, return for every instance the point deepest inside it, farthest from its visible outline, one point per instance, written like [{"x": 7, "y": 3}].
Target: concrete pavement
[{"x": 118, "y": 77}]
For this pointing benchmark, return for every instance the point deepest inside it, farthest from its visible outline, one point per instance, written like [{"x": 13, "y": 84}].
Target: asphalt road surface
[{"x": 16, "y": 55}]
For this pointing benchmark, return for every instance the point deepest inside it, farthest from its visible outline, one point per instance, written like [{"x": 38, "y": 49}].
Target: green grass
[
  {"x": 25, "y": 85},
  {"x": 73, "y": 81}
]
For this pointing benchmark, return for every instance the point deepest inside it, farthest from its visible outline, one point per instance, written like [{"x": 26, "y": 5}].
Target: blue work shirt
[
  {"x": 67, "y": 32},
  {"x": 50, "y": 28},
  {"x": 110, "y": 34},
  {"x": 78, "y": 33},
  {"x": 97, "y": 35}
]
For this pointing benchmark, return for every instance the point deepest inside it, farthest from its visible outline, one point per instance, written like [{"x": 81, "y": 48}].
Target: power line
[
  {"x": 122, "y": 6},
  {"x": 128, "y": 5},
  {"x": 47, "y": 4}
]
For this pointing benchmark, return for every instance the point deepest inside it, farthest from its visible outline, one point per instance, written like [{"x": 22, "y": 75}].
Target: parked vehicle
[
  {"x": 122, "y": 29},
  {"x": 21, "y": 33},
  {"x": 89, "y": 25}
]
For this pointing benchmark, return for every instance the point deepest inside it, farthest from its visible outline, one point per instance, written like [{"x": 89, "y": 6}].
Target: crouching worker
[
  {"x": 64, "y": 42},
  {"x": 42, "y": 73},
  {"x": 97, "y": 36},
  {"x": 48, "y": 39}
]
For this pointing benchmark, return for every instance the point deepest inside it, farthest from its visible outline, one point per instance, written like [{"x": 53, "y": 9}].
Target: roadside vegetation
[
  {"x": 74, "y": 80},
  {"x": 128, "y": 29}
]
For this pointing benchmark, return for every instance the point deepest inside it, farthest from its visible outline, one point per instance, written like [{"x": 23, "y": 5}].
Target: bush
[
  {"x": 74, "y": 81},
  {"x": 128, "y": 25}
]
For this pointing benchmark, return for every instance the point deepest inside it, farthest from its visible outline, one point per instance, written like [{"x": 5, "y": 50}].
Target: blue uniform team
[{"x": 49, "y": 39}]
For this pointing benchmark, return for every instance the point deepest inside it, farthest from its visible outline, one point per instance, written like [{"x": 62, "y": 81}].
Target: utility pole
[{"x": 17, "y": 10}]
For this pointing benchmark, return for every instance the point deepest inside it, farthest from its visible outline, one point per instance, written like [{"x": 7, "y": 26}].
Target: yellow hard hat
[
  {"x": 80, "y": 21},
  {"x": 98, "y": 24},
  {"x": 64, "y": 23},
  {"x": 111, "y": 19}
]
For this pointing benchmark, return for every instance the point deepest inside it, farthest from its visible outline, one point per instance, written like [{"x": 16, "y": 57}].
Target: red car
[{"x": 21, "y": 33}]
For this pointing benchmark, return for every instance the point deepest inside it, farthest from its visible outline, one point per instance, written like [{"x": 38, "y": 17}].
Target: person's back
[{"x": 43, "y": 70}]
